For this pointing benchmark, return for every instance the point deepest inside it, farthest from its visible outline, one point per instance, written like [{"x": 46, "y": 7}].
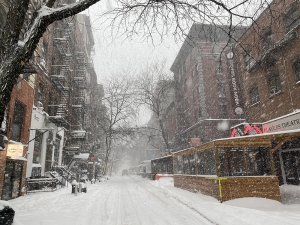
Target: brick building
[
  {"x": 53, "y": 105},
  {"x": 203, "y": 97},
  {"x": 17, "y": 125},
  {"x": 269, "y": 62}
]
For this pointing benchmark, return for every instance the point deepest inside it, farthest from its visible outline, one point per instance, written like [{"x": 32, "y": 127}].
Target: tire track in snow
[{"x": 165, "y": 193}]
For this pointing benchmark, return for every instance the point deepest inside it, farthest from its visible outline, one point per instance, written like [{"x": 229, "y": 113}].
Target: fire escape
[
  {"x": 60, "y": 74},
  {"x": 77, "y": 133}
]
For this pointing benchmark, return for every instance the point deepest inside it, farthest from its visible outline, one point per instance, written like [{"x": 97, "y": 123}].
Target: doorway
[
  {"x": 290, "y": 166},
  {"x": 12, "y": 179}
]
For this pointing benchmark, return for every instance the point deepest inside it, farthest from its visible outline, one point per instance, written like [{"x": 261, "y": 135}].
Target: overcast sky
[{"x": 114, "y": 55}]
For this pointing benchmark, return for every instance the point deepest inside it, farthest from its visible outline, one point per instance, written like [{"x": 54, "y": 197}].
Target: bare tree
[
  {"x": 156, "y": 91},
  {"x": 153, "y": 16},
  {"x": 177, "y": 16},
  {"x": 117, "y": 114}
]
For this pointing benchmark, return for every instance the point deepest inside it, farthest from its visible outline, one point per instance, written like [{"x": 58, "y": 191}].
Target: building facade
[
  {"x": 267, "y": 60},
  {"x": 268, "y": 63},
  {"x": 50, "y": 114},
  {"x": 202, "y": 86}
]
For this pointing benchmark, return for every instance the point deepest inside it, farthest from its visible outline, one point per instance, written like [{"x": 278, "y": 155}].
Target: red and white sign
[{"x": 288, "y": 122}]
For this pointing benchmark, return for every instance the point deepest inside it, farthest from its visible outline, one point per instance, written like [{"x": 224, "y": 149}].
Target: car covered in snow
[{"x": 6, "y": 213}]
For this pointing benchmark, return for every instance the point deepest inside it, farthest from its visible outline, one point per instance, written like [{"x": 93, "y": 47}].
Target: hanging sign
[{"x": 15, "y": 151}]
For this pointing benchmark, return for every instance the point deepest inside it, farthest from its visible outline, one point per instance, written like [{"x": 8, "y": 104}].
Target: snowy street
[{"x": 137, "y": 201}]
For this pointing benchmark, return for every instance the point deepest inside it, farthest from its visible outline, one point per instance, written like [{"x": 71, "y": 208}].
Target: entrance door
[
  {"x": 12, "y": 180},
  {"x": 291, "y": 164}
]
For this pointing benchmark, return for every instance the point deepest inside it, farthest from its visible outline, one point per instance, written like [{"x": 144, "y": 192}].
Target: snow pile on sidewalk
[
  {"x": 290, "y": 194},
  {"x": 258, "y": 211}
]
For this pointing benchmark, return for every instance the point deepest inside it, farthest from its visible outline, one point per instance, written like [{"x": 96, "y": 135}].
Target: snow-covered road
[{"x": 137, "y": 201}]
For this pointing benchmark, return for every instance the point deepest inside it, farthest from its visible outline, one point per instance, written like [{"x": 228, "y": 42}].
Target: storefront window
[
  {"x": 186, "y": 169},
  {"x": 192, "y": 164},
  {"x": 179, "y": 166},
  {"x": 200, "y": 163},
  {"x": 244, "y": 162}
]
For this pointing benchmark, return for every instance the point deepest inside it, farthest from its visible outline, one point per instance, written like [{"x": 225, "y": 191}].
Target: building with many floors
[
  {"x": 49, "y": 118},
  {"x": 203, "y": 96},
  {"x": 268, "y": 65}
]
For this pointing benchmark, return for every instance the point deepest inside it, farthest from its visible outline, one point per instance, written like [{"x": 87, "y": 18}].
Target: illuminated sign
[{"x": 15, "y": 151}]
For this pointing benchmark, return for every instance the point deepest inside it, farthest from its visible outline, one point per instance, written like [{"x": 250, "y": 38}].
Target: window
[
  {"x": 248, "y": 60},
  {"x": 244, "y": 162},
  {"x": 17, "y": 123},
  {"x": 221, "y": 90},
  {"x": 254, "y": 95},
  {"x": 40, "y": 93},
  {"x": 206, "y": 163},
  {"x": 200, "y": 112},
  {"x": 267, "y": 40},
  {"x": 223, "y": 111},
  {"x": 195, "y": 71},
  {"x": 274, "y": 82},
  {"x": 292, "y": 18},
  {"x": 219, "y": 69},
  {"x": 296, "y": 67}
]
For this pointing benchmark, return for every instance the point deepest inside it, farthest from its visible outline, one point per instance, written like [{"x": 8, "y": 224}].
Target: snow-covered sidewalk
[{"x": 137, "y": 201}]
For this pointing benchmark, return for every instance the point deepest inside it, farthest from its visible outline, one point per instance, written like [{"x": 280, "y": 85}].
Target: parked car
[
  {"x": 83, "y": 185},
  {"x": 6, "y": 213}
]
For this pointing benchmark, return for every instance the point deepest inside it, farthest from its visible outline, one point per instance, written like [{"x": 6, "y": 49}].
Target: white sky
[{"x": 113, "y": 55}]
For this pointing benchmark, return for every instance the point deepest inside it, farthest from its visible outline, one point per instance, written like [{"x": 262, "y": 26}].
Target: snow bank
[
  {"x": 290, "y": 194},
  {"x": 256, "y": 203}
]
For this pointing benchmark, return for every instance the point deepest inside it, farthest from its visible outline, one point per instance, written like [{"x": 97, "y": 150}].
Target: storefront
[
  {"x": 286, "y": 153},
  {"x": 288, "y": 150},
  {"x": 14, "y": 171},
  {"x": 248, "y": 166}
]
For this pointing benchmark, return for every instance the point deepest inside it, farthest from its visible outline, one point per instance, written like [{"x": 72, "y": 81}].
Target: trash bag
[{"x": 7, "y": 215}]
